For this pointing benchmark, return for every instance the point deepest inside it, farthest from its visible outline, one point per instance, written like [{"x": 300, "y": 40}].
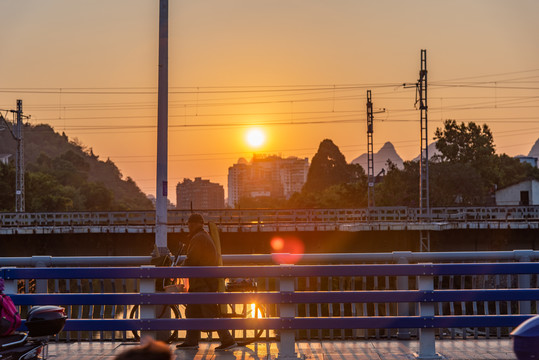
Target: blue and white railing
[{"x": 427, "y": 297}]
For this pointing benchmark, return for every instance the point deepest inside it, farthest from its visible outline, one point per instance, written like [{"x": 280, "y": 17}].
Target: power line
[
  {"x": 494, "y": 86},
  {"x": 491, "y": 75},
  {"x": 121, "y": 91}
]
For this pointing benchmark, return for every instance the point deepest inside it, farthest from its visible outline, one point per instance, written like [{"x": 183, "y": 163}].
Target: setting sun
[{"x": 256, "y": 137}]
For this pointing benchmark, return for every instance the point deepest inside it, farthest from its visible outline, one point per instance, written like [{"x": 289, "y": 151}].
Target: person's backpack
[{"x": 10, "y": 320}]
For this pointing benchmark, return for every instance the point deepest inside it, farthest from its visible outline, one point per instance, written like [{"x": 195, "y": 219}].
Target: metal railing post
[
  {"x": 524, "y": 280},
  {"x": 42, "y": 261},
  {"x": 427, "y": 335},
  {"x": 287, "y": 347},
  {"x": 147, "y": 311},
  {"x": 403, "y": 309},
  {"x": 10, "y": 286}
]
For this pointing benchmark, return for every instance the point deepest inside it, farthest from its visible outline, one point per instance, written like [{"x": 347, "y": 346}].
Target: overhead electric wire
[
  {"x": 94, "y": 91},
  {"x": 491, "y": 75},
  {"x": 485, "y": 86}
]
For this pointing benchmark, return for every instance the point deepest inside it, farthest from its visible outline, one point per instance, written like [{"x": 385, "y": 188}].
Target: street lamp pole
[{"x": 161, "y": 229}]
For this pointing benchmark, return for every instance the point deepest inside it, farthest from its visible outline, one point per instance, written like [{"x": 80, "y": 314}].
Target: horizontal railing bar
[
  {"x": 299, "y": 297},
  {"x": 362, "y": 322},
  {"x": 149, "y": 298},
  {"x": 236, "y": 259},
  {"x": 271, "y": 271},
  {"x": 75, "y": 260}
]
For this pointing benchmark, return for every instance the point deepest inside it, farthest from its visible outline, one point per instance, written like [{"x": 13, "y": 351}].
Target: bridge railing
[
  {"x": 253, "y": 217},
  {"x": 343, "y": 311}
]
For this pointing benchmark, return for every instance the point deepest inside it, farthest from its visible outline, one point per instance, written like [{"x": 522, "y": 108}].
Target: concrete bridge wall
[{"x": 260, "y": 242}]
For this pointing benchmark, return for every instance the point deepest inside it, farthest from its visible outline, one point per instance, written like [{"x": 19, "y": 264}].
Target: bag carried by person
[
  {"x": 161, "y": 260},
  {"x": 10, "y": 320}
]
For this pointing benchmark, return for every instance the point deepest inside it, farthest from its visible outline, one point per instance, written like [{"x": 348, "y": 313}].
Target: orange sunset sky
[{"x": 298, "y": 70}]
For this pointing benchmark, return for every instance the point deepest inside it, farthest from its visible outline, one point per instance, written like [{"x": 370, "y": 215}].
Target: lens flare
[
  {"x": 287, "y": 250},
  {"x": 277, "y": 244},
  {"x": 255, "y": 312}
]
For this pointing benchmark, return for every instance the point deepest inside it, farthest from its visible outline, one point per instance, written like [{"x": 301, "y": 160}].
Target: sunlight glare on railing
[{"x": 255, "y": 312}]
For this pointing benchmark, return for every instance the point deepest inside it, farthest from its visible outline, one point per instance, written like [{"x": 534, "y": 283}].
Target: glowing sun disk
[{"x": 255, "y": 137}]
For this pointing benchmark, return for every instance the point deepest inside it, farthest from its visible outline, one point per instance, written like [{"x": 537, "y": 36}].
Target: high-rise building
[
  {"x": 199, "y": 194},
  {"x": 270, "y": 176}
]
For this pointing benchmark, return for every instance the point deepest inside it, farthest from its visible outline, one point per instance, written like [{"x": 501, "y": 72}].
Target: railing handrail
[
  {"x": 149, "y": 272},
  {"x": 287, "y": 296},
  {"x": 275, "y": 297},
  {"x": 317, "y": 258}
]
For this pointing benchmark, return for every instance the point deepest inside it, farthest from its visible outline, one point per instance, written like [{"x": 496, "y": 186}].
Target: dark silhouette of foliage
[
  {"x": 399, "y": 187},
  {"x": 467, "y": 173},
  {"x": 464, "y": 143},
  {"x": 7, "y": 188},
  {"x": 329, "y": 167},
  {"x": 63, "y": 175}
]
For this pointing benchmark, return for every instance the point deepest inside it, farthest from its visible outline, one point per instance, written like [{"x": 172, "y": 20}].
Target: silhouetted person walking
[{"x": 201, "y": 252}]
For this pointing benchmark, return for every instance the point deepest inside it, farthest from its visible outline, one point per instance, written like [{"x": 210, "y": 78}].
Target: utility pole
[
  {"x": 18, "y": 135},
  {"x": 424, "y": 158},
  {"x": 370, "y": 152},
  {"x": 161, "y": 217},
  {"x": 19, "y": 161},
  {"x": 424, "y": 207}
]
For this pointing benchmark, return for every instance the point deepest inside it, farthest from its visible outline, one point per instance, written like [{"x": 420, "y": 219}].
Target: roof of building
[{"x": 518, "y": 183}]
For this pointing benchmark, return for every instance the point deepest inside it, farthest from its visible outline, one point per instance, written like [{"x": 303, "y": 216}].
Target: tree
[
  {"x": 7, "y": 187},
  {"x": 97, "y": 197},
  {"x": 45, "y": 193},
  {"x": 470, "y": 171},
  {"x": 508, "y": 171},
  {"x": 464, "y": 143},
  {"x": 329, "y": 167},
  {"x": 456, "y": 184},
  {"x": 399, "y": 187}
]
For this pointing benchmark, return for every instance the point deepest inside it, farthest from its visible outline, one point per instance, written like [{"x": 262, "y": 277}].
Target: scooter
[{"x": 42, "y": 322}]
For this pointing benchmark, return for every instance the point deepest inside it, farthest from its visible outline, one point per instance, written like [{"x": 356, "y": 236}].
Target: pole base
[{"x": 428, "y": 357}]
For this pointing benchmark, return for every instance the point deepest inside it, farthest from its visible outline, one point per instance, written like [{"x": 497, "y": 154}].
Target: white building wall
[
  {"x": 534, "y": 196},
  {"x": 511, "y": 194}
]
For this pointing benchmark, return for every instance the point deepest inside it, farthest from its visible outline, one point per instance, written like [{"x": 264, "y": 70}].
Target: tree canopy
[
  {"x": 63, "y": 175},
  {"x": 461, "y": 143}
]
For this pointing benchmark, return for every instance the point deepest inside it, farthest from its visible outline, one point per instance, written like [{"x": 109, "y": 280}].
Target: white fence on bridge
[{"x": 254, "y": 220}]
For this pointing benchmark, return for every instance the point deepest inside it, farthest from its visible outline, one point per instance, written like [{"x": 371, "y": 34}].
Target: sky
[{"x": 297, "y": 70}]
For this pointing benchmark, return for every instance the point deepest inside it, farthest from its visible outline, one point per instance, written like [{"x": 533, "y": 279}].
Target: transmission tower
[
  {"x": 424, "y": 158},
  {"x": 370, "y": 152},
  {"x": 19, "y": 162},
  {"x": 424, "y": 207},
  {"x": 18, "y": 135}
]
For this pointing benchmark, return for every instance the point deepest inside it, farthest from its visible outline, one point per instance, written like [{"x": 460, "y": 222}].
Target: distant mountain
[
  {"x": 535, "y": 150},
  {"x": 432, "y": 151},
  {"x": 380, "y": 158}
]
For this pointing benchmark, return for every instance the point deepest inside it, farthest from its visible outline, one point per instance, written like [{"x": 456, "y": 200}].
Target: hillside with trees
[{"x": 63, "y": 175}]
